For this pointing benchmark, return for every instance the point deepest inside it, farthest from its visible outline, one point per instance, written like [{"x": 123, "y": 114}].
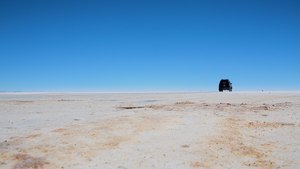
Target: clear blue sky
[{"x": 153, "y": 45}]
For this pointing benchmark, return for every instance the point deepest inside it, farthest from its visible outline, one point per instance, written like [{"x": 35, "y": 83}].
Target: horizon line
[{"x": 142, "y": 92}]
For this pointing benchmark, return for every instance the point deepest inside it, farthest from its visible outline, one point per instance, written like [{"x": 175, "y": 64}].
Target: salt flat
[{"x": 150, "y": 130}]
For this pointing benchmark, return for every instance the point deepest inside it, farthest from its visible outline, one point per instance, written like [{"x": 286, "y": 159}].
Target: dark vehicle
[{"x": 225, "y": 84}]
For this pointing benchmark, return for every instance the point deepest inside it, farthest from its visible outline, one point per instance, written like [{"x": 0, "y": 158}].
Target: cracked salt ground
[{"x": 192, "y": 130}]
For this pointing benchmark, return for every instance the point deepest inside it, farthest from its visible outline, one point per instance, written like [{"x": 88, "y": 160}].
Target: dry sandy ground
[{"x": 150, "y": 131}]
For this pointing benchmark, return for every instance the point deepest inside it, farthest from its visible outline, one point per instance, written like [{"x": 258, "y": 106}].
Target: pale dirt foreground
[{"x": 150, "y": 131}]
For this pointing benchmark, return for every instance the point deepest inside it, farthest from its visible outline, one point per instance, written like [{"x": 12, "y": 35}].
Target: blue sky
[{"x": 57, "y": 45}]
